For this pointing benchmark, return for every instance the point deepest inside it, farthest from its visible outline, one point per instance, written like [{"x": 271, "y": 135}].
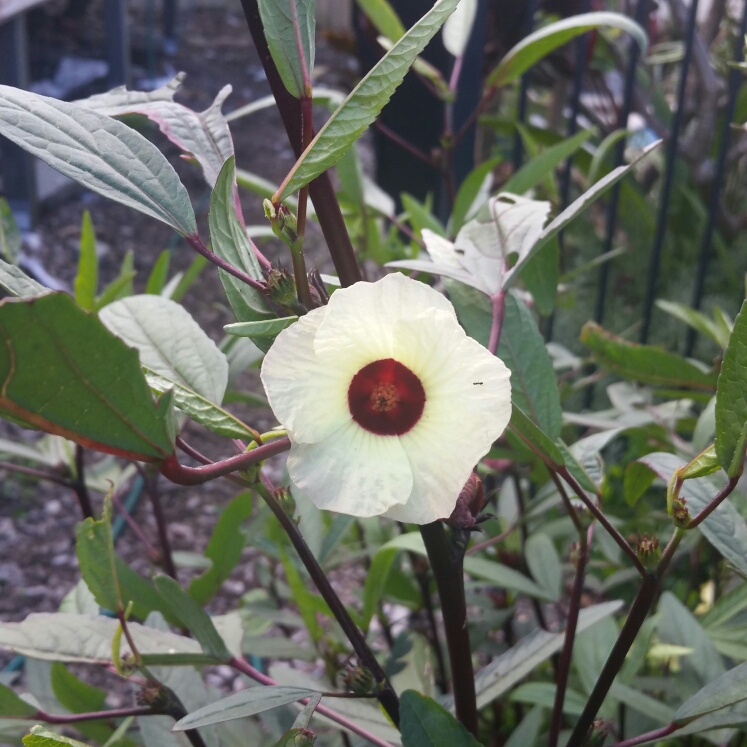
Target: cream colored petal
[
  {"x": 352, "y": 471},
  {"x": 308, "y": 397},
  {"x": 468, "y": 406},
  {"x": 359, "y": 325}
]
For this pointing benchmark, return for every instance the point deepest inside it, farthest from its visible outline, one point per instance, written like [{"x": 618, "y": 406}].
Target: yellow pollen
[{"x": 384, "y": 397}]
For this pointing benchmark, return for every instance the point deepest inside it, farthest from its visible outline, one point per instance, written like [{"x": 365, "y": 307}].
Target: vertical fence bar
[
  {"x": 735, "y": 79},
  {"x": 661, "y": 223},
  {"x": 640, "y": 15},
  {"x": 518, "y": 155}
]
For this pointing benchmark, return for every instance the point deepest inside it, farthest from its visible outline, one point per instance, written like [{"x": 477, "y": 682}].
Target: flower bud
[
  {"x": 282, "y": 287},
  {"x": 286, "y": 500},
  {"x": 153, "y": 695},
  {"x": 574, "y": 554},
  {"x": 648, "y": 551},
  {"x": 282, "y": 221},
  {"x": 680, "y": 513},
  {"x": 359, "y": 680},
  {"x": 598, "y": 733},
  {"x": 297, "y": 738},
  {"x": 469, "y": 504}
]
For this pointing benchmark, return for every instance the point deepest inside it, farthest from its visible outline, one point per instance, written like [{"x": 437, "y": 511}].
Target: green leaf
[
  {"x": 366, "y": 100},
  {"x": 508, "y": 578},
  {"x": 80, "y": 697},
  {"x": 10, "y": 236},
  {"x": 476, "y": 182},
  {"x": 121, "y": 286},
  {"x": 420, "y": 216},
  {"x": 189, "y": 277},
  {"x": 302, "y": 597},
  {"x": 94, "y": 547},
  {"x": 170, "y": 343},
  {"x": 16, "y": 282},
  {"x": 725, "y": 690},
  {"x": 100, "y": 153},
  {"x": 425, "y": 723},
  {"x": 603, "y": 150},
  {"x": 243, "y": 703},
  {"x": 304, "y": 717},
  {"x": 375, "y": 583},
  {"x": 540, "y": 275},
  {"x": 544, "y": 563},
  {"x": 230, "y": 242},
  {"x": 706, "y": 463},
  {"x": 458, "y": 27},
  {"x": 224, "y": 549},
  {"x": 537, "y": 45},
  {"x": 286, "y": 23},
  {"x": 87, "y": 639},
  {"x": 65, "y": 373},
  {"x": 522, "y": 349},
  {"x": 383, "y": 17},
  {"x": 726, "y": 607},
  {"x": 725, "y": 529},
  {"x": 531, "y": 173},
  {"x": 648, "y": 364},
  {"x": 731, "y": 399},
  {"x": 41, "y": 737},
  {"x": 642, "y": 702},
  {"x": 637, "y": 480},
  {"x": 12, "y": 705},
  {"x": 192, "y": 617},
  {"x": 270, "y": 328},
  {"x": 527, "y": 732},
  {"x": 159, "y": 274},
  {"x": 512, "y": 666},
  {"x": 523, "y": 426},
  {"x": 543, "y": 694},
  {"x": 697, "y": 320},
  {"x": 203, "y": 136},
  {"x": 86, "y": 280}
]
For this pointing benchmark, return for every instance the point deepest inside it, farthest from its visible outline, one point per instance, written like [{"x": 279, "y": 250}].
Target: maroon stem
[
  {"x": 603, "y": 520},
  {"x": 151, "y": 483},
  {"x": 246, "y": 668},
  {"x": 464, "y": 129},
  {"x": 650, "y": 736},
  {"x": 181, "y": 475},
  {"x": 196, "y": 243},
  {"x": 79, "y": 484},
  {"x": 38, "y": 473},
  {"x": 715, "y": 502},
  {"x": 498, "y": 302},
  {"x": 405, "y": 144},
  {"x": 135, "y": 527},
  {"x": 564, "y": 666},
  {"x": 322, "y": 192},
  {"x": 73, "y": 718}
]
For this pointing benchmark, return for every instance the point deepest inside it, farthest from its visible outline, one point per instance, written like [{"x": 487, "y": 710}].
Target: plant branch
[
  {"x": 715, "y": 502},
  {"x": 386, "y": 694},
  {"x": 322, "y": 193},
  {"x": 650, "y": 736},
  {"x": 564, "y": 666},
  {"x": 603, "y": 520},
  {"x": 405, "y": 144},
  {"x": 447, "y": 567},
  {"x": 498, "y": 303},
  {"x": 196, "y": 243},
  {"x": 73, "y": 718},
  {"x": 181, "y": 475},
  {"x": 37, "y": 473},
  {"x": 492, "y": 541},
  {"x": 153, "y": 553},
  {"x": 79, "y": 484},
  {"x": 245, "y": 668},
  {"x": 151, "y": 486}
]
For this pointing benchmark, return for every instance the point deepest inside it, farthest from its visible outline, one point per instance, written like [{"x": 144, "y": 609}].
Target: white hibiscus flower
[{"x": 387, "y": 402}]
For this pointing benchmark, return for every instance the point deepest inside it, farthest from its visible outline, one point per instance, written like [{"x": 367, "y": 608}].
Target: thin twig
[
  {"x": 492, "y": 541},
  {"x": 196, "y": 243},
  {"x": 650, "y": 736},
  {"x": 37, "y": 473},
  {"x": 247, "y": 669},
  {"x": 151, "y": 485},
  {"x": 135, "y": 527},
  {"x": 73, "y": 718},
  {"x": 715, "y": 502},
  {"x": 405, "y": 144}
]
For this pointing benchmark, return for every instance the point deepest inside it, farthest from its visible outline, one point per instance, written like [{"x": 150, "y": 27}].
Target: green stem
[{"x": 447, "y": 567}]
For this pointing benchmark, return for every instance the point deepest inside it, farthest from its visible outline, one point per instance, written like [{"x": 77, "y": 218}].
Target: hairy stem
[
  {"x": 498, "y": 303},
  {"x": 181, "y": 475},
  {"x": 245, "y": 668},
  {"x": 322, "y": 193},
  {"x": 447, "y": 567},
  {"x": 386, "y": 695}
]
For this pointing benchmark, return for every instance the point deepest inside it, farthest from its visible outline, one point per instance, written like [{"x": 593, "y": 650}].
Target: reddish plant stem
[
  {"x": 405, "y": 144},
  {"x": 490, "y": 542},
  {"x": 181, "y": 475},
  {"x": 715, "y": 502},
  {"x": 246, "y": 668},
  {"x": 153, "y": 554},
  {"x": 564, "y": 666},
  {"x": 447, "y": 567},
  {"x": 498, "y": 303},
  {"x": 196, "y": 243},
  {"x": 79, "y": 484},
  {"x": 37, "y": 473},
  {"x": 650, "y": 736},
  {"x": 479, "y": 109},
  {"x": 73, "y": 718},
  {"x": 299, "y": 264},
  {"x": 385, "y": 692},
  {"x": 322, "y": 193},
  {"x": 603, "y": 520}
]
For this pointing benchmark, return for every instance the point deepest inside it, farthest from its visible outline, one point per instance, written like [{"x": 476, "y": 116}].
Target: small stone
[{"x": 53, "y": 507}]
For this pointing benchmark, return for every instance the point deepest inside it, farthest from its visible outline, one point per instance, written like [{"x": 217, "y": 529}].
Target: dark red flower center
[{"x": 386, "y": 398}]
